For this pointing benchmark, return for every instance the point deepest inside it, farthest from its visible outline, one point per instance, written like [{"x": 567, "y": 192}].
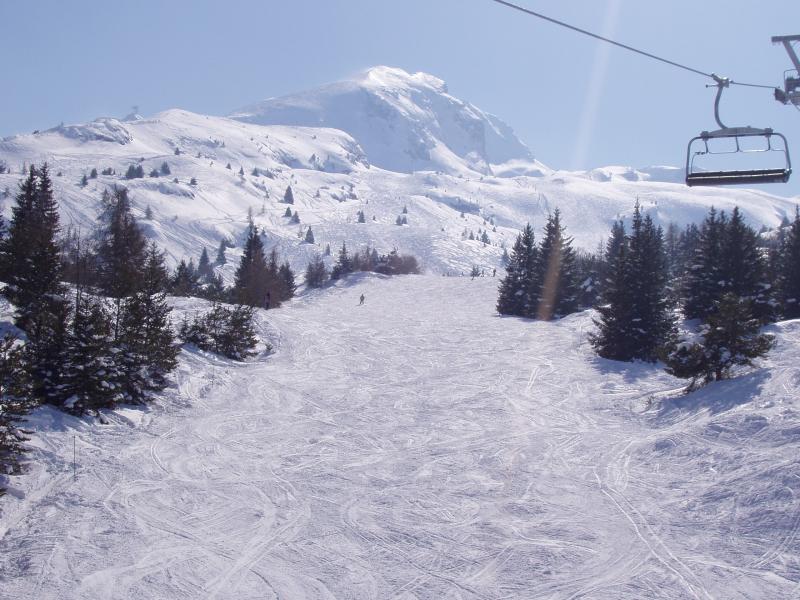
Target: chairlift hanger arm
[{"x": 787, "y": 40}]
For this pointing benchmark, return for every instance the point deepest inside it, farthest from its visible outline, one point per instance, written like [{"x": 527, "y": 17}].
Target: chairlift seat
[
  {"x": 751, "y": 177},
  {"x": 699, "y": 177}
]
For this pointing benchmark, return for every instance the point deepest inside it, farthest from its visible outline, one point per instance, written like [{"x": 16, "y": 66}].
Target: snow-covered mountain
[
  {"x": 405, "y": 122},
  {"x": 478, "y": 176}
]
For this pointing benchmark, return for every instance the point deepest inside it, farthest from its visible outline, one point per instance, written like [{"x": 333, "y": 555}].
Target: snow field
[{"x": 419, "y": 446}]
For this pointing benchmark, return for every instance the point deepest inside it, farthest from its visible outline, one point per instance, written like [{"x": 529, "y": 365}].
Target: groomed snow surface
[{"x": 419, "y": 446}]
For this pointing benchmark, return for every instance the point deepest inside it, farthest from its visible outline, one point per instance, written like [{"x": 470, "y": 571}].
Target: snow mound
[{"x": 99, "y": 130}]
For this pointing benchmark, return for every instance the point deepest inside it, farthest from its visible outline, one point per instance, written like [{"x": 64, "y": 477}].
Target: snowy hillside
[
  {"x": 335, "y": 173},
  {"x": 438, "y": 451}
]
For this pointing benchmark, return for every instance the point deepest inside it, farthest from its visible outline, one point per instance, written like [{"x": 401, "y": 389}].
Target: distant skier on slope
[{"x": 361, "y": 300}]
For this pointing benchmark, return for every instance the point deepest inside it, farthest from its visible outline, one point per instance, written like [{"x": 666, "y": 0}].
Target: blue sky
[{"x": 577, "y": 102}]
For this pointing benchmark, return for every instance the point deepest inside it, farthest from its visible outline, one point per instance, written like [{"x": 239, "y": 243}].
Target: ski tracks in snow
[{"x": 416, "y": 447}]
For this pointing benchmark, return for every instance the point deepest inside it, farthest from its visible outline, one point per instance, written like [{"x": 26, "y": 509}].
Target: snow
[
  {"x": 418, "y": 446},
  {"x": 386, "y": 119}
]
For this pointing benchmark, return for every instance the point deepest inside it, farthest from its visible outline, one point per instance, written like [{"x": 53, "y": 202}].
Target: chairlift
[
  {"x": 790, "y": 94},
  {"x": 740, "y": 141}
]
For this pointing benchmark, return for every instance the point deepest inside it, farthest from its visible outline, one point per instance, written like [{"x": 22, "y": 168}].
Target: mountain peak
[
  {"x": 395, "y": 77},
  {"x": 404, "y": 122}
]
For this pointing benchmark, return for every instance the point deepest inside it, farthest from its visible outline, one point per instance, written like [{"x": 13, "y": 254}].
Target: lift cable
[{"x": 621, "y": 45}]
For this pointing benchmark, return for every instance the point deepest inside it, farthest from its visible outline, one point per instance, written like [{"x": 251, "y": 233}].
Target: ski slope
[{"x": 419, "y": 446}]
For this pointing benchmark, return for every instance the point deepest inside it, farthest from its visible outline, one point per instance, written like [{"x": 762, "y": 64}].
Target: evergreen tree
[
  {"x": 361, "y": 217},
  {"x": 90, "y": 377},
  {"x": 612, "y": 338},
  {"x": 553, "y": 283},
  {"x": 651, "y": 321},
  {"x": 251, "y": 277},
  {"x": 221, "y": 260},
  {"x": 84, "y": 180},
  {"x": 309, "y": 236},
  {"x": 789, "y": 270},
  {"x": 15, "y": 404},
  {"x": 316, "y": 273},
  {"x": 743, "y": 270},
  {"x": 31, "y": 251},
  {"x": 165, "y": 170},
  {"x": 514, "y": 298},
  {"x": 295, "y": 218},
  {"x": 344, "y": 264},
  {"x": 204, "y": 269},
  {"x": 288, "y": 212},
  {"x": 286, "y": 283},
  {"x": 148, "y": 352},
  {"x": 184, "y": 281},
  {"x": 121, "y": 247},
  {"x": 225, "y": 331},
  {"x": 705, "y": 269},
  {"x": 730, "y": 338},
  {"x": 288, "y": 196}
]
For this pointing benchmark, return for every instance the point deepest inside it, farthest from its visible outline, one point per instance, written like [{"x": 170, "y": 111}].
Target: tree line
[
  {"x": 721, "y": 277},
  {"x": 105, "y": 339}
]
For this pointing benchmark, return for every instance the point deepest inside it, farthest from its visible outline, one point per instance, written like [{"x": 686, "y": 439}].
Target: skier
[{"x": 362, "y": 300}]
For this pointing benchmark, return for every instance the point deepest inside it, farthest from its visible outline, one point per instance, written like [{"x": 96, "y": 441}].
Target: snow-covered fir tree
[
  {"x": 316, "y": 272},
  {"x": 344, "y": 264},
  {"x": 789, "y": 270},
  {"x": 15, "y": 404},
  {"x": 731, "y": 337},
  {"x": 554, "y": 287},
  {"x": 91, "y": 377},
  {"x": 515, "y": 288}
]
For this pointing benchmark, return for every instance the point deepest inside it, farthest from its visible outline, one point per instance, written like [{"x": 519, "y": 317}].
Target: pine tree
[
  {"x": 238, "y": 339},
  {"x": 316, "y": 273},
  {"x": 184, "y": 281},
  {"x": 612, "y": 339},
  {"x": 743, "y": 270},
  {"x": 90, "y": 378},
  {"x": 789, "y": 270},
  {"x": 31, "y": 251},
  {"x": 221, "y": 260},
  {"x": 309, "y": 236},
  {"x": 286, "y": 283},
  {"x": 251, "y": 277},
  {"x": 15, "y": 404},
  {"x": 288, "y": 196},
  {"x": 226, "y": 331},
  {"x": 514, "y": 296},
  {"x": 361, "y": 217},
  {"x": 344, "y": 264},
  {"x": 553, "y": 283},
  {"x": 705, "y": 268},
  {"x": 288, "y": 212},
  {"x": 165, "y": 170},
  {"x": 295, "y": 218},
  {"x": 148, "y": 352},
  {"x": 121, "y": 247},
  {"x": 730, "y": 338},
  {"x": 204, "y": 269},
  {"x": 651, "y": 321}
]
